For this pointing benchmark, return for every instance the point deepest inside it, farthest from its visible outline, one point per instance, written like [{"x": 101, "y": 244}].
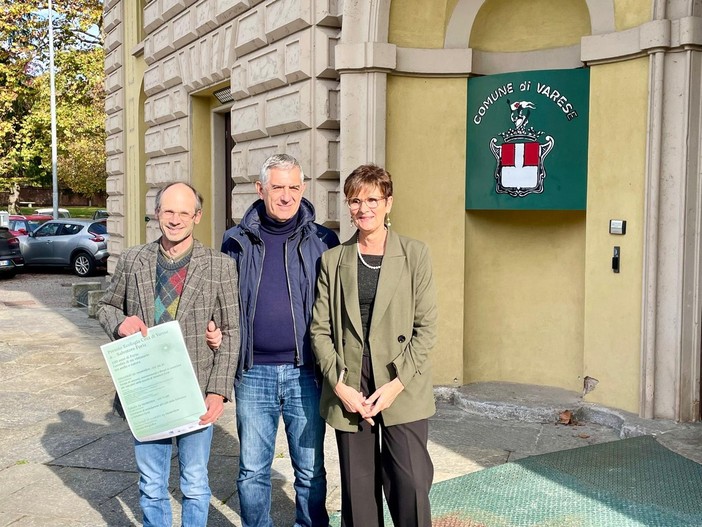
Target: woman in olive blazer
[{"x": 374, "y": 325}]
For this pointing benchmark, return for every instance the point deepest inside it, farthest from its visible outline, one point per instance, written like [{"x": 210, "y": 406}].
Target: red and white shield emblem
[
  {"x": 520, "y": 164},
  {"x": 520, "y": 168}
]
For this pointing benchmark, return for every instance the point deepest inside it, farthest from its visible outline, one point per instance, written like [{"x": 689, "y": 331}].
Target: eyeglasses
[
  {"x": 183, "y": 216},
  {"x": 355, "y": 203}
]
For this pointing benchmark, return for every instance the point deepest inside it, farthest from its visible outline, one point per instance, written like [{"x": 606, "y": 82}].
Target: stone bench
[
  {"x": 93, "y": 299},
  {"x": 87, "y": 294}
]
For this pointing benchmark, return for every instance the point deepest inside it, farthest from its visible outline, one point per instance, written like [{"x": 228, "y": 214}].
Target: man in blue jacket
[{"x": 277, "y": 247}]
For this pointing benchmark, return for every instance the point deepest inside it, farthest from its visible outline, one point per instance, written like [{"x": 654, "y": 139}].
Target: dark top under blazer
[{"x": 401, "y": 335}]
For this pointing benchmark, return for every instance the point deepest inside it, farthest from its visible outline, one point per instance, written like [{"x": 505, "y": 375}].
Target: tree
[
  {"x": 80, "y": 122},
  {"x": 25, "y": 123},
  {"x": 83, "y": 167},
  {"x": 24, "y": 29}
]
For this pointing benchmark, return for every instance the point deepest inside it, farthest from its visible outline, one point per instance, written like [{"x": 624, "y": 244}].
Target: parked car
[
  {"x": 21, "y": 225},
  {"x": 10, "y": 256},
  {"x": 68, "y": 242},
  {"x": 62, "y": 213},
  {"x": 100, "y": 214}
]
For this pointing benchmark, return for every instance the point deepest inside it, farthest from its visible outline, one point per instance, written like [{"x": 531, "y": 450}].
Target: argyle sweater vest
[{"x": 170, "y": 280}]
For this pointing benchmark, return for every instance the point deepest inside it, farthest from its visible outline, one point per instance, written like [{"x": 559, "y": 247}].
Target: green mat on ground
[{"x": 631, "y": 482}]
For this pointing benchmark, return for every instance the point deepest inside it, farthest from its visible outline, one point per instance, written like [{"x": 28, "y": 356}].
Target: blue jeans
[
  {"x": 153, "y": 460},
  {"x": 263, "y": 394}
]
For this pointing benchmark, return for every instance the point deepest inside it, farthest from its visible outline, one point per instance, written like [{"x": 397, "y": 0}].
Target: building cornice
[
  {"x": 658, "y": 35},
  {"x": 655, "y": 36},
  {"x": 423, "y": 62},
  {"x": 365, "y": 56}
]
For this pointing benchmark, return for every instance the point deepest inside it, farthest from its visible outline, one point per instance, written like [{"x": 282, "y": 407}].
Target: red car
[{"x": 22, "y": 225}]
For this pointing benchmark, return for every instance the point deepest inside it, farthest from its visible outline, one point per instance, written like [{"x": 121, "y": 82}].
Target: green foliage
[
  {"x": 80, "y": 118},
  {"x": 25, "y": 117},
  {"x": 76, "y": 212},
  {"x": 82, "y": 212}
]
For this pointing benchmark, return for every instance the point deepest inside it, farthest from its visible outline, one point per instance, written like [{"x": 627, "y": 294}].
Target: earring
[{"x": 387, "y": 220}]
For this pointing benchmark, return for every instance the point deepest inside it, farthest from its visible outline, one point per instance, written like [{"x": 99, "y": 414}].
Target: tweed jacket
[
  {"x": 209, "y": 293},
  {"x": 401, "y": 333}
]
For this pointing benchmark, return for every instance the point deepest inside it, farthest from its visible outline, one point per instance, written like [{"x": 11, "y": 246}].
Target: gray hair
[
  {"x": 280, "y": 161},
  {"x": 198, "y": 197}
]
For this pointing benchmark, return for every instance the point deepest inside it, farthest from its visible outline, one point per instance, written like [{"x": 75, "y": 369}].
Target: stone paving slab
[
  {"x": 46, "y": 359},
  {"x": 21, "y": 445},
  {"x": 110, "y": 452},
  {"x": 91, "y": 385},
  {"x": 7, "y": 355},
  {"x": 11, "y": 519},
  {"x": 47, "y": 378},
  {"x": 22, "y": 408},
  {"x": 10, "y": 369},
  {"x": 17, "y": 477},
  {"x": 69, "y": 492},
  {"x": 686, "y": 441}
]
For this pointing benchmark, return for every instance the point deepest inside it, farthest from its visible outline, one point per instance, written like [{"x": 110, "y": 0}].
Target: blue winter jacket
[{"x": 303, "y": 250}]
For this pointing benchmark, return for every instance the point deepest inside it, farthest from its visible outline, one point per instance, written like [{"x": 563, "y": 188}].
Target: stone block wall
[
  {"x": 277, "y": 56},
  {"x": 286, "y": 93}
]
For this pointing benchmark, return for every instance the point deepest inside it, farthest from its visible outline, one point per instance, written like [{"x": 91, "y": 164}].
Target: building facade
[{"x": 203, "y": 91}]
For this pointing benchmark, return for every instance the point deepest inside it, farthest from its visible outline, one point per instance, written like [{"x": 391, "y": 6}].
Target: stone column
[
  {"x": 672, "y": 290},
  {"x": 363, "y": 58}
]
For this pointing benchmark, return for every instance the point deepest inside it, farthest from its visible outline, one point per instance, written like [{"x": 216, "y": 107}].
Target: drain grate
[{"x": 82, "y": 298}]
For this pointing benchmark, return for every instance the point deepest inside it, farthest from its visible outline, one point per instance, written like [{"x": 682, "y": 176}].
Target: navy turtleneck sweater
[{"x": 273, "y": 329}]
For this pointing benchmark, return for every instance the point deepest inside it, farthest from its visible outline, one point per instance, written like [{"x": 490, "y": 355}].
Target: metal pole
[{"x": 54, "y": 155}]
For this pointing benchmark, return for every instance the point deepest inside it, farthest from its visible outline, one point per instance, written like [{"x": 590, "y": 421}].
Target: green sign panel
[{"x": 527, "y": 140}]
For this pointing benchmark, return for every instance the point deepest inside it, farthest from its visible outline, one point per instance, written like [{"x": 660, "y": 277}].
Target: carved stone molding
[
  {"x": 669, "y": 35},
  {"x": 163, "y": 169},
  {"x": 166, "y": 106}
]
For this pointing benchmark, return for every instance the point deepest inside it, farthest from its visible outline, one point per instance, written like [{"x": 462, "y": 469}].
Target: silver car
[{"x": 80, "y": 244}]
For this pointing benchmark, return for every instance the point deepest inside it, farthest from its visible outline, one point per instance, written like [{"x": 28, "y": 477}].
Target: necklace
[{"x": 360, "y": 257}]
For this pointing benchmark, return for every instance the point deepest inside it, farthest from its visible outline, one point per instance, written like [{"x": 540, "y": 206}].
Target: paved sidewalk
[{"x": 66, "y": 459}]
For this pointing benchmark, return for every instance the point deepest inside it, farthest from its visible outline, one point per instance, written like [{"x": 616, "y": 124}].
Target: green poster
[
  {"x": 527, "y": 139},
  {"x": 156, "y": 382}
]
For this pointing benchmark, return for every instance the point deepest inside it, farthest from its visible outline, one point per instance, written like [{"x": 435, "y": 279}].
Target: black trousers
[{"x": 385, "y": 459}]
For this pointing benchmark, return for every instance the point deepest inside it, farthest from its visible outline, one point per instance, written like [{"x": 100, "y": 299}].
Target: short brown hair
[{"x": 368, "y": 176}]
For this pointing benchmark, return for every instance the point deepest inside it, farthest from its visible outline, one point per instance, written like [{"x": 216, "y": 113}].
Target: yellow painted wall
[
  {"x": 616, "y": 186},
  {"x": 524, "y": 288},
  {"x": 539, "y": 302},
  {"x": 201, "y": 162},
  {"x": 524, "y": 297},
  {"x": 631, "y": 13},
  {"x": 135, "y": 159},
  {"x": 419, "y": 23},
  {"x": 509, "y": 25},
  {"x": 426, "y": 157},
  {"x": 492, "y": 269}
]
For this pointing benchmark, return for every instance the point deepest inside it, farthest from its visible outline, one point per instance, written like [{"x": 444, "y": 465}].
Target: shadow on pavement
[{"x": 96, "y": 462}]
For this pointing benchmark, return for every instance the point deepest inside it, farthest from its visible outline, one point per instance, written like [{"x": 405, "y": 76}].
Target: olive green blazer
[{"x": 401, "y": 335}]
